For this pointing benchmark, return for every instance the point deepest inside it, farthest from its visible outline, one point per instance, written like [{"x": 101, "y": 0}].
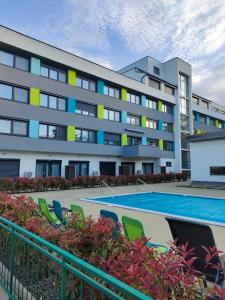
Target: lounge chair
[
  {"x": 112, "y": 215},
  {"x": 133, "y": 229},
  {"x": 197, "y": 235},
  {"x": 78, "y": 210},
  {"x": 59, "y": 211},
  {"x": 51, "y": 217}
]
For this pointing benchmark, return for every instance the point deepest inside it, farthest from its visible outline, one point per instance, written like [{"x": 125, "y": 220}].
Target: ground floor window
[
  {"x": 148, "y": 168},
  {"x": 45, "y": 168},
  {"x": 107, "y": 168},
  {"x": 128, "y": 168},
  {"x": 81, "y": 167},
  {"x": 9, "y": 168}
]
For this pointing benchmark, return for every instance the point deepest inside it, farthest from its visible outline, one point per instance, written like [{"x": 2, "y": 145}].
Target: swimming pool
[{"x": 205, "y": 209}]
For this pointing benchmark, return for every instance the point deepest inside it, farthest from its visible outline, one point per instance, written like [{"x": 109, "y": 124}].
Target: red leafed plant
[{"x": 167, "y": 276}]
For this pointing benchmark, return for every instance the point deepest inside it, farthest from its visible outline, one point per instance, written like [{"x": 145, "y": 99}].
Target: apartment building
[{"x": 59, "y": 110}]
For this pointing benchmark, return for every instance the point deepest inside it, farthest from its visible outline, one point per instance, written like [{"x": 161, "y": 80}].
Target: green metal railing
[{"x": 32, "y": 268}]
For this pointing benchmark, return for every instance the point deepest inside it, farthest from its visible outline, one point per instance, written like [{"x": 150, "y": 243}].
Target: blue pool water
[{"x": 210, "y": 210}]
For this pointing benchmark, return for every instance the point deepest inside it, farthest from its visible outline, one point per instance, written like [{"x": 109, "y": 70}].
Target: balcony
[{"x": 145, "y": 151}]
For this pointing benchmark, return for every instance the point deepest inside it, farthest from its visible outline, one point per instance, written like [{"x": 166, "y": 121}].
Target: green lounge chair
[
  {"x": 51, "y": 217},
  {"x": 76, "y": 209},
  {"x": 133, "y": 229}
]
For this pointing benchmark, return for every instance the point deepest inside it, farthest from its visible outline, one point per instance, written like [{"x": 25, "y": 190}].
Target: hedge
[{"x": 40, "y": 184}]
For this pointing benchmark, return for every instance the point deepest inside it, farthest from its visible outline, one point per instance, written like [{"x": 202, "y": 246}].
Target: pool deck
[{"x": 154, "y": 224}]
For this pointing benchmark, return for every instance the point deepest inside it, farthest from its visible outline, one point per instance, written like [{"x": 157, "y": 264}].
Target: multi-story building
[{"x": 58, "y": 109}]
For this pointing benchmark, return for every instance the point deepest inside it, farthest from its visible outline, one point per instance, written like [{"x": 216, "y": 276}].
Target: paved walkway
[{"x": 155, "y": 225}]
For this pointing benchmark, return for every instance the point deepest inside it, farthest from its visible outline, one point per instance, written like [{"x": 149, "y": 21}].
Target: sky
[{"x": 115, "y": 33}]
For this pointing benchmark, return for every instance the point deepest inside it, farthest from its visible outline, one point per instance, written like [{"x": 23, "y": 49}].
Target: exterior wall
[
  {"x": 39, "y": 52},
  {"x": 28, "y": 161},
  {"x": 205, "y": 155}
]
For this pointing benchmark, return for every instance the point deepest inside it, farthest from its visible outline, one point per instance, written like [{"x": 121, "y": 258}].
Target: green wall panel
[
  {"x": 161, "y": 144},
  {"x": 143, "y": 121},
  {"x": 71, "y": 75},
  {"x": 124, "y": 139},
  {"x": 160, "y": 105},
  {"x": 34, "y": 96},
  {"x": 100, "y": 111},
  {"x": 124, "y": 94},
  {"x": 70, "y": 134}
]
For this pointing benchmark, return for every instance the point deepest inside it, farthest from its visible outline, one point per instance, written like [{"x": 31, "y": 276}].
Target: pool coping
[{"x": 94, "y": 200}]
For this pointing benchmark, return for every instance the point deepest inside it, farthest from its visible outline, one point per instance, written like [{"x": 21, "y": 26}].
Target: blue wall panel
[
  {"x": 34, "y": 129},
  {"x": 71, "y": 105},
  {"x": 35, "y": 66},
  {"x": 100, "y": 137}
]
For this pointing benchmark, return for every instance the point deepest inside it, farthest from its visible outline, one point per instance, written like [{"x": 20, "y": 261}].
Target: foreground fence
[{"x": 32, "y": 268}]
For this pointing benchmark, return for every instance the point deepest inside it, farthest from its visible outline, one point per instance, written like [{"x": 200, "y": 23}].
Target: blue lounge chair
[{"x": 112, "y": 215}]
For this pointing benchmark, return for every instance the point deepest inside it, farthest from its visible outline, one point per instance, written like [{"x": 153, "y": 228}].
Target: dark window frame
[
  {"x": 58, "y": 70},
  {"x": 74, "y": 162},
  {"x": 11, "y": 126},
  {"x": 107, "y": 141},
  {"x": 216, "y": 170},
  {"x": 50, "y": 162},
  {"x": 89, "y": 131},
  {"x": 50, "y": 138},
  {"x": 57, "y": 101},
  {"x": 14, "y": 60},
  {"x": 13, "y": 92}
]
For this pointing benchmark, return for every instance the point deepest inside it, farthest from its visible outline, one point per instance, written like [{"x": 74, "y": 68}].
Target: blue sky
[{"x": 115, "y": 33}]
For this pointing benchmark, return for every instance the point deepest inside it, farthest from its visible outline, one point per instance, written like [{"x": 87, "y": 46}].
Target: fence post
[
  {"x": 12, "y": 262},
  {"x": 63, "y": 289}
]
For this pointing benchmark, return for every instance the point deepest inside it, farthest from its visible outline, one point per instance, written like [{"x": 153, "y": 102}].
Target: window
[
  {"x": 217, "y": 171},
  {"x": 169, "y": 90},
  {"x": 52, "y": 102},
  {"x": 205, "y": 104},
  {"x": 184, "y": 90},
  {"x": 85, "y": 135},
  {"x": 153, "y": 142},
  {"x": 13, "y": 127},
  {"x": 85, "y": 109},
  {"x": 112, "y": 92},
  {"x": 167, "y": 108},
  {"x": 168, "y": 164},
  {"x": 111, "y": 115},
  {"x": 151, "y": 124},
  {"x": 148, "y": 168},
  {"x": 21, "y": 63},
  {"x": 133, "y": 98},
  {"x": 156, "y": 70},
  {"x": 185, "y": 156},
  {"x": 86, "y": 83},
  {"x": 53, "y": 73},
  {"x": 6, "y": 58},
  {"x": 184, "y": 123},
  {"x": 212, "y": 122},
  {"x": 14, "y": 61},
  {"x": 111, "y": 139},
  {"x": 184, "y": 109},
  {"x": 5, "y": 91},
  {"x": 133, "y": 120},
  {"x": 52, "y": 132},
  {"x": 133, "y": 140},
  {"x": 151, "y": 104},
  {"x": 202, "y": 119},
  {"x": 167, "y": 126},
  {"x": 81, "y": 167},
  {"x": 45, "y": 168},
  {"x": 154, "y": 84},
  {"x": 167, "y": 146},
  {"x": 13, "y": 93}
]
